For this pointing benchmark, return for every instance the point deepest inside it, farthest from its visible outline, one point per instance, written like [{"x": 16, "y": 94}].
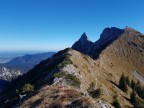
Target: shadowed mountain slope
[{"x": 27, "y": 62}]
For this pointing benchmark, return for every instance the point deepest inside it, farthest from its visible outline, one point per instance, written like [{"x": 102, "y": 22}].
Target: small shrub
[
  {"x": 133, "y": 97},
  {"x": 68, "y": 61},
  {"x": 128, "y": 81},
  {"x": 92, "y": 87},
  {"x": 65, "y": 62},
  {"x": 96, "y": 93},
  {"x": 27, "y": 88},
  {"x": 56, "y": 104},
  {"x": 73, "y": 80},
  {"x": 133, "y": 84},
  {"x": 66, "y": 55},
  {"x": 116, "y": 103},
  {"x": 76, "y": 66},
  {"x": 60, "y": 74},
  {"x": 81, "y": 103}
]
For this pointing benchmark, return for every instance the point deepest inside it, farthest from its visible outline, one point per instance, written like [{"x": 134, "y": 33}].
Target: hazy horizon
[{"x": 9, "y": 55}]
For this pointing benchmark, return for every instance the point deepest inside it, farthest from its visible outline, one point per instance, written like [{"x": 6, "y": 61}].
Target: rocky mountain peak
[
  {"x": 83, "y": 44},
  {"x": 130, "y": 30},
  {"x": 94, "y": 49},
  {"x": 111, "y": 33},
  {"x": 83, "y": 37}
]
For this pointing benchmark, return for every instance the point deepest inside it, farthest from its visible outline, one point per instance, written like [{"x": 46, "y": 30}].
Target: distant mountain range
[
  {"x": 26, "y": 62},
  {"x": 20, "y": 65},
  {"x": 9, "y": 55},
  {"x": 5, "y": 59}
]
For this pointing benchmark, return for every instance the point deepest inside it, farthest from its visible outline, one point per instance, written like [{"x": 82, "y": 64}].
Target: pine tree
[
  {"x": 128, "y": 81},
  {"x": 133, "y": 84},
  {"x": 116, "y": 103},
  {"x": 133, "y": 97},
  {"x": 123, "y": 83}
]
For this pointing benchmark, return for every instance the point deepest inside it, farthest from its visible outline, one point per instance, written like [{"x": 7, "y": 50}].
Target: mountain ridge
[{"x": 79, "y": 71}]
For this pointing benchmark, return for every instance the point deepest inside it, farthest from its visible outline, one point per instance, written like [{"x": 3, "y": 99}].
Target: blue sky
[{"x": 49, "y": 25}]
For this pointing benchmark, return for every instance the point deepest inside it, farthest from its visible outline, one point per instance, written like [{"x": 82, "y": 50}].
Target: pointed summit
[
  {"x": 83, "y": 44},
  {"x": 83, "y": 37}
]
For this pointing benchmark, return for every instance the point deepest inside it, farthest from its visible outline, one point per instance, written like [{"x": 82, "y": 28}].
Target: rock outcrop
[
  {"x": 9, "y": 74},
  {"x": 83, "y": 45}
]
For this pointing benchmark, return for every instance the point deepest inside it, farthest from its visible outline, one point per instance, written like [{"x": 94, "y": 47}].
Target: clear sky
[{"x": 49, "y": 25}]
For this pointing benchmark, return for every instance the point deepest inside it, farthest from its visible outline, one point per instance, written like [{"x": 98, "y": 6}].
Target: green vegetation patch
[
  {"x": 27, "y": 88},
  {"x": 95, "y": 93},
  {"x": 116, "y": 102},
  {"x": 60, "y": 75},
  {"x": 66, "y": 61},
  {"x": 137, "y": 94},
  {"x": 71, "y": 79}
]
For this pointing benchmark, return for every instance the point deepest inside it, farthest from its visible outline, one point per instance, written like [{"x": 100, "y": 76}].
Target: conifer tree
[
  {"x": 116, "y": 103},
  {"x": 123, "y": 83},
  {"x": 133, "y": 96},
  {"x": 133, "y": 84},
  {"x": 128, "y": 81}
]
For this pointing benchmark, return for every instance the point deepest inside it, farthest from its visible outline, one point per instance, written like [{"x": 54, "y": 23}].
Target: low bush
[
  {"x": 71, "y": 79},
  {"x": 96, "y": 93},
  {"x": 27, "y": 88},
  {"x": 116, "y": 103},
  {"x": 60, "y": 74},
  {"x": 56, "y": 104}
]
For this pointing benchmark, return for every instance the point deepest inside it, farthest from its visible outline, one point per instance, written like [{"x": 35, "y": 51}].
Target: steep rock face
[
  {"x": 108, "y": 35},
  {"x": 106, "y": 38},
  {"x": 83, "y": 44},
  {"x": 8, "y": 74}
]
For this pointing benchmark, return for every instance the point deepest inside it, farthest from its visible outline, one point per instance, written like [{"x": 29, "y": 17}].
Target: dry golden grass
[{"x": 49, "y": 96}]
